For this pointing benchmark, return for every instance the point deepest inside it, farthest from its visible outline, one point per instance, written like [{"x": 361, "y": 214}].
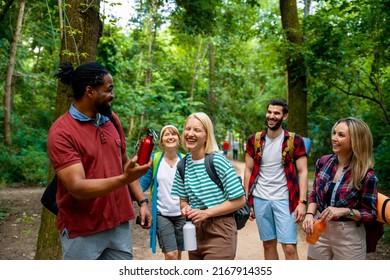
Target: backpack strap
[
  {"x": 257, "y": 147},
  {"x": 180, "y": 167},
  {"x": 210, "y": 168},
  {"x": 291, "y": 145},
  {"x": 289, "y": 148}
]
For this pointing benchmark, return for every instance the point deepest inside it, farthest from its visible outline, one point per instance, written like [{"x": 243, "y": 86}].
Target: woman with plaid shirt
[{"x": 344, "y": 194}]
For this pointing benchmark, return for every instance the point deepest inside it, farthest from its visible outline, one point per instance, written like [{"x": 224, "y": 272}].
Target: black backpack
[{"x": 241, "y": 215}]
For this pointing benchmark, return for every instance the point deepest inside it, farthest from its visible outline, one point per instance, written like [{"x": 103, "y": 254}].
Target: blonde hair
[
  {"x": 172, "y": 129},
  {"x": 211, "y": 144},
  {"x": 362, "y": 149}
]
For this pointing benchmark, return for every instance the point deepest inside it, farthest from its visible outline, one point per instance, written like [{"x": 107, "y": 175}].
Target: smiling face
[
  {"x": 170, "y": 139},
  {"x": 341, "y": 139},
  {"x": 275, "y": 117},
  {"x": 103, "y": 96},
  {"x": 194, "y": 136}
]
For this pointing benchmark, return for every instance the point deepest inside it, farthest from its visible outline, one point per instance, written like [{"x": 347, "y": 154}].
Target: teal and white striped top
[{"x": 200, "y": 191}]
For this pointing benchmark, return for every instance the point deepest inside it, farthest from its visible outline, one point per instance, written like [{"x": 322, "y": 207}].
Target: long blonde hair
[
  {"x": 362, "y": 149},
  {"x": 211, "y": 143}
]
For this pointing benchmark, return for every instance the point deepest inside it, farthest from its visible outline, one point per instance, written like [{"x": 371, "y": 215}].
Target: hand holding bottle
[{"x": 318, "y": 228}]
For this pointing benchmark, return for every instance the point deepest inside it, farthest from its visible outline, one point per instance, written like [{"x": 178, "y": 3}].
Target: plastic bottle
[
  {"x": 146, "y": 148},
  {"x": 189, "y": 236},
  {"x": 318, "y": 228}
]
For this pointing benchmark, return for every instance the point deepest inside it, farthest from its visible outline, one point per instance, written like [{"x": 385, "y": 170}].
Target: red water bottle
[{"x": 146, "y": 147}]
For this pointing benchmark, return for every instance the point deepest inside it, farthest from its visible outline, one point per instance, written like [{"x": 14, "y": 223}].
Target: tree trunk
[
  {"x": 60, "y": 19},
  {"x": 212, "y": 80},
  {"x": 152, "y": 41},
  {"x": 10, "y": 73},
  {"x": 81, "y": 34},
  {"x": 198, "y": 61},
  {"x": 296, "y": 76}
]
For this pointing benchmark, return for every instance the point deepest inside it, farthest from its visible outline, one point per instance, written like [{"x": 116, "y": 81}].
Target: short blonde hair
[{"x": 211, "y": 144}]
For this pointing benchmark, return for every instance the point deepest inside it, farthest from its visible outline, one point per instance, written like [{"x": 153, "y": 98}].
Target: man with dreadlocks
[{"x": 87, "y": 149}]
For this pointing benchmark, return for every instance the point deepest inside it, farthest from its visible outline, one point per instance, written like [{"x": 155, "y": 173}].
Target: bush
[{"x": 30, "y": 167}]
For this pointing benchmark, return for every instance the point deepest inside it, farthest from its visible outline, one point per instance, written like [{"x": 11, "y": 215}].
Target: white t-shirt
[
  {"x": 272, "y": 183},
  {"x": 167, "y": 204}
]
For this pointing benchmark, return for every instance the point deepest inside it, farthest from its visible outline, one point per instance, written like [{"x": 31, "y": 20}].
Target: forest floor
[{"x": 20, "y": 226}]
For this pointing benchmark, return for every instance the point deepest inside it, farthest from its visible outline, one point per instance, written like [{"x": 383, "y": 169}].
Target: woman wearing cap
[{"x": 165, "y": 208}]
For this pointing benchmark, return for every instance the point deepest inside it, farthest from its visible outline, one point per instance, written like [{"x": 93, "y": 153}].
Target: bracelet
[
  {"x": 309, "y": 213},
  {"x": 303, "y": 201},
  {"x": 145, "y": 200}
]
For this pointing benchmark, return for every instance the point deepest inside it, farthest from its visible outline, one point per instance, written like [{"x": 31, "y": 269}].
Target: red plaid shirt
[
  {"x": 364, "y": 200},
  {"x": 289, "y": 169}
]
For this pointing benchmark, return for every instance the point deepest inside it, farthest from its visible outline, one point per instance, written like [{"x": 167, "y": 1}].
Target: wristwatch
[
  {"x": 302, "y": 201},
  {"x": 351, "y": 213},
  {"x": 145, "y": 200}
]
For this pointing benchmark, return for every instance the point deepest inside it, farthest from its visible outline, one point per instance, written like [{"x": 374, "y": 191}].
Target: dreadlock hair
[{"x": 87, "y": 74}]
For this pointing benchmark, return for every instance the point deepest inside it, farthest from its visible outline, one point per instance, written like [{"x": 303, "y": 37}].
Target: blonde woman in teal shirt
[{"x": 209, "y": 207}]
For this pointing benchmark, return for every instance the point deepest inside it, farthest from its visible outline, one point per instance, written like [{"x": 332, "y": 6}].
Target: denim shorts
[
  {"x": 274, "y": 220},
  {"x": 170, "y": 233}
]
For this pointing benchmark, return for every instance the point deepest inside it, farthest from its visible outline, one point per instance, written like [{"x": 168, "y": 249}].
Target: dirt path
[{"x": 19, "y": 230}]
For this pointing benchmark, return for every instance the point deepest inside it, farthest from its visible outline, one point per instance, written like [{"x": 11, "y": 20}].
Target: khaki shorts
[
  {"x": 340, "y": 241},
  {"x": 216, "y": 239}
]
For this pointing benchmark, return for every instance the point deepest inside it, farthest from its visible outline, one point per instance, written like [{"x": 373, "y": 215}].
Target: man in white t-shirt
[{"x": 276, "y": 184}]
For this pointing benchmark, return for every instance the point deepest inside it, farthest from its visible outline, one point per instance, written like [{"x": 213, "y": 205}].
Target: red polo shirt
[{"x": 99, "y": 150}]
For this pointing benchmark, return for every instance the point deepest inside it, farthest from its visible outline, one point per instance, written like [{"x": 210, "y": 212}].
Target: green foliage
[
  {"x": 382, "y": 162},
  {"x": 347, "y": 53},
  {"x": 196, "y": 16},
  {"x": 347, "y": 57},
  {"x": 27, "y": 161}
]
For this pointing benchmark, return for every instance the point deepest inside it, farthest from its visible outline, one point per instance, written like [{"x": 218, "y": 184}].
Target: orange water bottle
[{"x": 318, "y": 228}]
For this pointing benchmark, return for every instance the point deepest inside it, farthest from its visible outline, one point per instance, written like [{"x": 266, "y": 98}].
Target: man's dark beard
[
  {"x": 104, "y": 109},
  {"x": 277, "y": 125}
]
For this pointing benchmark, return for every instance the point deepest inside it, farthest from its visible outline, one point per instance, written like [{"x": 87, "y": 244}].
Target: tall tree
[
  {"x": 296, "y": 77},
  {"x": 10, "y": 73},
  {"x": 82, "y": 30},
  {"x": 198, "y": 17}
]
